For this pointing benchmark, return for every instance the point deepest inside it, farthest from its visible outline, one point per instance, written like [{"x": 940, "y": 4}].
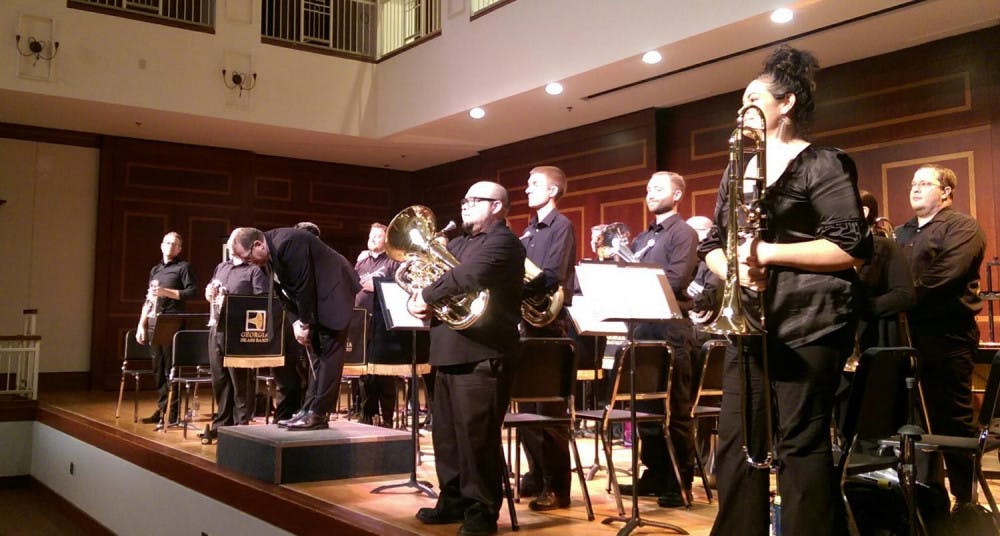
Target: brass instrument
[
  {"x": 151, "y": 299},
  {"x": 744, "y": 222},
  {"x": 215, "y": 306},
  {"x": 613, "y": 243},
  {"x": 410, "y": 239},
  {"x": 884, "y": 227},
  {"x": 540, "y": 310}
]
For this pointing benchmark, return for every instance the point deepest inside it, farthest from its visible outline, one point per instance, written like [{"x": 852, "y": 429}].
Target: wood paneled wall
[{"x": 150, "y": 188}]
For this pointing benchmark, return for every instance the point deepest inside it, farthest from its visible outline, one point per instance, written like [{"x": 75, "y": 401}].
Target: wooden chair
[{"x": 136, "y": 362}]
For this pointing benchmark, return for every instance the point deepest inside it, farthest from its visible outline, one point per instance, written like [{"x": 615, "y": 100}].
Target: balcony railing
[
  {"x": 196, "y": 12},
  {"x": 367, "y": 28}
]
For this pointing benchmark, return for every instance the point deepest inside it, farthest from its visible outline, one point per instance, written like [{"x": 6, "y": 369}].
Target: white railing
[
  {"x": 480, "y": 5},
  {"x": 351, "y": 26},
  {"x": 197, "y": 12},
  {"x": 19, "y": 359}
]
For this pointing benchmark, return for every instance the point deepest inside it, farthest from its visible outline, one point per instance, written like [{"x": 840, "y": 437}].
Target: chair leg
[
  {"x": 517, "y": 466},
  {"x": 989, "y": 495},
  {"x": 685, "y": 492},
  {"x": 186, "y": 418},
  {"x": 508, "y": 493},
  {"x": 121, "y": 395},
  {"x": 165, "y": 418},
  {"x": 135, "y": 399},
  {"x": 580, "y": 476},
  {"x": 612, "y": 473},
  {"x": 268, "y": 388}
]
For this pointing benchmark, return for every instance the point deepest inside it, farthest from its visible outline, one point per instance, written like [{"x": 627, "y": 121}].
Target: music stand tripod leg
[{"x": 421, "y": 486}]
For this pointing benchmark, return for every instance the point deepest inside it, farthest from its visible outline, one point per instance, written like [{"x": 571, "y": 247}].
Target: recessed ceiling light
[
  {"x": 652, "y": 57},
  {"x": 781, "y": 15},
  {"x": 554, "y": 88},
  {"x": 477, "y": 113}
]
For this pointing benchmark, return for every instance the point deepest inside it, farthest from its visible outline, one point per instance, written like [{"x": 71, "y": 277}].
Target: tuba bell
[
  {"x": 411, "y": 240},
  {"x": 613, "y": 243},
  {"x": 540, "y": 310}
]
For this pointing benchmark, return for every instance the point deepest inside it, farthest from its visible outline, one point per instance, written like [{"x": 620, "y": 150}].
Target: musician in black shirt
[
  {"x": 549, "y": 243},
  {"x": 171, "y": 281},
  {"x": 471, "y": 389}
]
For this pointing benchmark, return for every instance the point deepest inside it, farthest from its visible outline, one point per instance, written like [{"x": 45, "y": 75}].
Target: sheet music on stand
[
  {"x": 393, "y": 300},
  {"x": 627, "y": 292},
  {"x": 630, "y": 293},
  {"x": 585, "y": 318}
]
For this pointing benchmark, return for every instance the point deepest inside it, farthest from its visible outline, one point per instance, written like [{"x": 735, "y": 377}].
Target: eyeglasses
[
  {"x": 469, "y": 201},
  {"x": 923, "y": 185},
  {"x": 249, "y": 255}
]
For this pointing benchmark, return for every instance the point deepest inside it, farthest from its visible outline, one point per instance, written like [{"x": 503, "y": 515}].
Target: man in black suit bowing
[
  {"x": 317, "y": 287},
  {"x": 471, "y": 388}
]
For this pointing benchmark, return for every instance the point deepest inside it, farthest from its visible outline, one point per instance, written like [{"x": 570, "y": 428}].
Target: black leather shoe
[
  {"x": 644, "y": 490},
  {"x": 671, "y": 499},
  {"x": 283, "y": 423},
  {"x": 529, "y": 486},
  {"x": 311, "y": 421},
  {"x": 209, "y": 435},
  {"x": 433, "y": 516},
  {"x": 152, "y": 419},
  {"x": 549, "y": 500},
  {"x": 477, "y": 527}
]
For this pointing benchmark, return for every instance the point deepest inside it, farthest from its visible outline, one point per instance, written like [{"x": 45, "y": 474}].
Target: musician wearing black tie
[
  {"x": 549, "y": 243},
  {"x": 377, "y": 392},
  {"x": 671, "y": 243}
]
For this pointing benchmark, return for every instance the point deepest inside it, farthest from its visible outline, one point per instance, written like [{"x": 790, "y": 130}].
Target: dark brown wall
[{"x": 149, "y": 188}]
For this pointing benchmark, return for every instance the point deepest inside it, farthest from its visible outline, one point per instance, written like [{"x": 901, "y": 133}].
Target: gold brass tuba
[
  {"x": 745, "y": 221},
  {"x": 540, "y": 310},
  {"x": 410, "y": 239}
]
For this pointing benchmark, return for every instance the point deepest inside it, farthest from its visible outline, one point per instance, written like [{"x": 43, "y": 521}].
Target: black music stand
[
  {"x": 167, "y": 324},
  {"x": 393, "y": 300},
  {"x": 254, "y": 336},
  {"x": 605, "y": 284}
]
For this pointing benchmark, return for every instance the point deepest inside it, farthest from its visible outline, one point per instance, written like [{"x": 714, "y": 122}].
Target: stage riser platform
[{"x": 346, "y": 450}]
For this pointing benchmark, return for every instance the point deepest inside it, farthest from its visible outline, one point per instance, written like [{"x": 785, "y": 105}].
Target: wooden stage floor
[
  {"x": 386, "y": 513},
  {"x": 345, "y": 505}
]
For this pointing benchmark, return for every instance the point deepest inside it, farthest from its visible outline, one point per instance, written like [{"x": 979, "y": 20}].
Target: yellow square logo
[{"x": 256, "y": 320}]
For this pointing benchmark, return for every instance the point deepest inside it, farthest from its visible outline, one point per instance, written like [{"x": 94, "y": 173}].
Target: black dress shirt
[
  {"x": 675, "y": 248},
  {"x": 944, "y": 256},
  {"x": 494, "y": 260},
  {"x": 376, "y": 267},
  {"x": 176, "y": 275},
  {"x": 245, "y": 279},
  {"x": 816, "y": 197},
  {"x": 551, "y": 245}
]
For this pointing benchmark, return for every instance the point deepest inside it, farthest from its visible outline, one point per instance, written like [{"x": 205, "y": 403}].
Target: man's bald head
[{"x": 489, "y": 190}]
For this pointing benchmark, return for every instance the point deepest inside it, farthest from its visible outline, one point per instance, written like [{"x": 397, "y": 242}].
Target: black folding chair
[
  {"x": 136, "y": 362},
  {"x": 546, "y": 372},
  {"x": 706, "y": 404},
  {"x": 190, "y": 362}
]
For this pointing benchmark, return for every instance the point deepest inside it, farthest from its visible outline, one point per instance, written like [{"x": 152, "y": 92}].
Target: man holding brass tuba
[
  {"x": 802, "y": 264},
  {"x": 471, "y": 390},
  {"x": 550, "y": 244}
]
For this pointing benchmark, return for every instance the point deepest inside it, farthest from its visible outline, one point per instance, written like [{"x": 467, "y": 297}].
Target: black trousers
[
  {"x": 679, "y": 335},
  {"x": 163, "y": 360},
  {"x": 290, "y": 378},
  {"x": 804, "y": 381},
  {"x": 378, "y": 397},
  {"x": 234, "y": 388},
  {"x": 470, "y": 401},
  {"x": 326, "y": 367},
  {"x": 947, "y": 351}
]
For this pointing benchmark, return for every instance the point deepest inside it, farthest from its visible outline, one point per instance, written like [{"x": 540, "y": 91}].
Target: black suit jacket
[{"x": 316, "y": 284}]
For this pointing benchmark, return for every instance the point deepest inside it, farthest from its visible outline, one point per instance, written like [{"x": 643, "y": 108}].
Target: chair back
[
  {"x": 879, "y": 402},
  {"x": 991, "y": 394},
  {"x": 134, "y": 352},
  {"x": 653, "y": 360},
  {"x": 708, "y": 377},
  {"x": 545, "y": 370},
  {"x": 191, "y": 348}
]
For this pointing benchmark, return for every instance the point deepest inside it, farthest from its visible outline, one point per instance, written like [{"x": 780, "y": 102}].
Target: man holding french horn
[
  {"x": 471, "y": 389},
  {"x": 550, "y": 245}
]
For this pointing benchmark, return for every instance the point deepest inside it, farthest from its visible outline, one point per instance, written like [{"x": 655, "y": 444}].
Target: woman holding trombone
[{"x": 802, "y": 235}]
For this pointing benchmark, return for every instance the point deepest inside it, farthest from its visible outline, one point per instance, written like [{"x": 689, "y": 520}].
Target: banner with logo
[{"x": 253, "y": 337}]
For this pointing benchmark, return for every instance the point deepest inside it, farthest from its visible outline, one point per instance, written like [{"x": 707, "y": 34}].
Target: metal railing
[
  {"x": 351, "y": 26},
  {"x": 197, "y": 12},
  {"x": 480, "y": 5}
]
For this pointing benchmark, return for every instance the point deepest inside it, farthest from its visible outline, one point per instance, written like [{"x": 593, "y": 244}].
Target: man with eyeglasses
[
  {"x": 944, "y": 249},
  {"x": 471, "y": 387},
  {"x": 316, "y": 286},
  {"x": 171, "y": 281}
]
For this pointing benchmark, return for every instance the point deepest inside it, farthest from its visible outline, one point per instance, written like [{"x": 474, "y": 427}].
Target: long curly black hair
[{"x": 789, "y": 70}]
